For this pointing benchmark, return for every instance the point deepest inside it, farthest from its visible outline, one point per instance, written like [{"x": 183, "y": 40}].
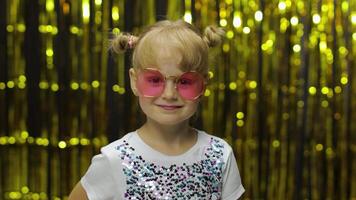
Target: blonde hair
[{"x": 170, "y": 37}]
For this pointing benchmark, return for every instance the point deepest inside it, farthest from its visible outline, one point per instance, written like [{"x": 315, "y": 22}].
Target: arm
[
  {"x": 232, "y": 186},
  {"x": 78, "y": 193}
]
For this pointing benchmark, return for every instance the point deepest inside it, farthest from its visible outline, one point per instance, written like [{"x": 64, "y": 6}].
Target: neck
[
  {"x": 168, "y": 139},
  {"x": 166, "y": 133}
]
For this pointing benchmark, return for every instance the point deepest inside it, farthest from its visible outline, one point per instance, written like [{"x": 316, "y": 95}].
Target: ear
[{"x": 133, "y": 80}]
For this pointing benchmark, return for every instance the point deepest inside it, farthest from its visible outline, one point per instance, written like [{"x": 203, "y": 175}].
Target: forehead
[
  {"x": 166, "y": 70},
  {"x": 168, "y": 61},
  {"x": 164, "y": 48}
]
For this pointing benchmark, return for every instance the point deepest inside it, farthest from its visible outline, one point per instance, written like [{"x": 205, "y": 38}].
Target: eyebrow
[{"x": 157, "y": 69}]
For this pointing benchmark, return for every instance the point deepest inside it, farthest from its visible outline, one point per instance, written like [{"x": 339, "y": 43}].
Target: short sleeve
[
  {"x": 232, "y": 186},
  {"x": 98, "y": 181}
]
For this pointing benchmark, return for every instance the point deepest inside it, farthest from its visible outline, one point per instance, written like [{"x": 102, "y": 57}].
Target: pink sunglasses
[{"x": 151, "y": 83}]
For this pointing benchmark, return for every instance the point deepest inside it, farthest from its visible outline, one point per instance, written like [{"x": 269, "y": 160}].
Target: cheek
[
  {"x": 192, "y": 106},
  {"x": 142, "y": 101},
  {"x": 145, "y": 104}
]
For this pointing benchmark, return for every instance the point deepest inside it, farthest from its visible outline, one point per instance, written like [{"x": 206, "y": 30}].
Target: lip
[{"x": 169, "y": 107}]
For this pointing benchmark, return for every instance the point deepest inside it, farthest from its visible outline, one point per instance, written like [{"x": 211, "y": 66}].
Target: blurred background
[{"x": 282, "y": 92}]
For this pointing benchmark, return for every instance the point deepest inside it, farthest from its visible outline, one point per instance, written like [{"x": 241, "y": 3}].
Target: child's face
[{"x": 169, "y": 108}]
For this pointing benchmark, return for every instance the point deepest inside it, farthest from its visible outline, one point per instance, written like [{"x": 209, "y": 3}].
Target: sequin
[{"x": 147, "y": 180}]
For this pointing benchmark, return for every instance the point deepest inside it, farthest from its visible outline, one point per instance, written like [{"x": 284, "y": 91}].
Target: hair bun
[
  {"x": 213, "y": 35},
  {"x": 123, "y": 42}
]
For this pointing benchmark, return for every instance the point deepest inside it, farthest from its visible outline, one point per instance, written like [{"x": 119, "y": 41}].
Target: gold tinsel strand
[{"x": 281, "y": 92}]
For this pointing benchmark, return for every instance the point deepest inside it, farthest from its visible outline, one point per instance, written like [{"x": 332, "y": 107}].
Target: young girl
[{"x": 165, "y": 158}]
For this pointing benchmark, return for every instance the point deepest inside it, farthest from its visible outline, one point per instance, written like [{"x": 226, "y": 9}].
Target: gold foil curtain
[{"x": 282, "y": 91}]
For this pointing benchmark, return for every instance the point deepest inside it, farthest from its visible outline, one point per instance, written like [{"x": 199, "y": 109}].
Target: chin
[{"x": 170, "y": 121}]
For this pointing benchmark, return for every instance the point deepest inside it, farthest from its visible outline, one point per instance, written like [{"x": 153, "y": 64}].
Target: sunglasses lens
[
  {"x": 150, "y": 83},
  {"x": 190, "y": 85}
]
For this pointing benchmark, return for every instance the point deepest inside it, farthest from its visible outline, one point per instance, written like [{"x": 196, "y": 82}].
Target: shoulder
[
  {"x": 109, "y": 155},
  {"x": 210, "y": 139},
  {"x": 112, "y": 148},
  {"x": 215, "y": 144},
  {"x": 112, "y": 152}
]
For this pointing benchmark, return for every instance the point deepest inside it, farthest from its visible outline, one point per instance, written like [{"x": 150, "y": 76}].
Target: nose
[{"x": 170, "y": 91}]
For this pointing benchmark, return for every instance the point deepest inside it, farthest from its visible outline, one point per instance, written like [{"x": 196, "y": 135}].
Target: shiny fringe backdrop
[{"x": 282, "y": 91}]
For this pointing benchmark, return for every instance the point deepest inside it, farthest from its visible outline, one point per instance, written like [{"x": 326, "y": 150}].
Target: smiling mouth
[{"x": 169, "y": 107}]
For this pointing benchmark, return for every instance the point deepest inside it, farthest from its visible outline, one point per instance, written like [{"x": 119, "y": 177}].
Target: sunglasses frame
[{"x": 175, "y": 80}]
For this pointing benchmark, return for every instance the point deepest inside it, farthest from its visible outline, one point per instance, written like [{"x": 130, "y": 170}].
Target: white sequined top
[{"x": 130, "y": 169}]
